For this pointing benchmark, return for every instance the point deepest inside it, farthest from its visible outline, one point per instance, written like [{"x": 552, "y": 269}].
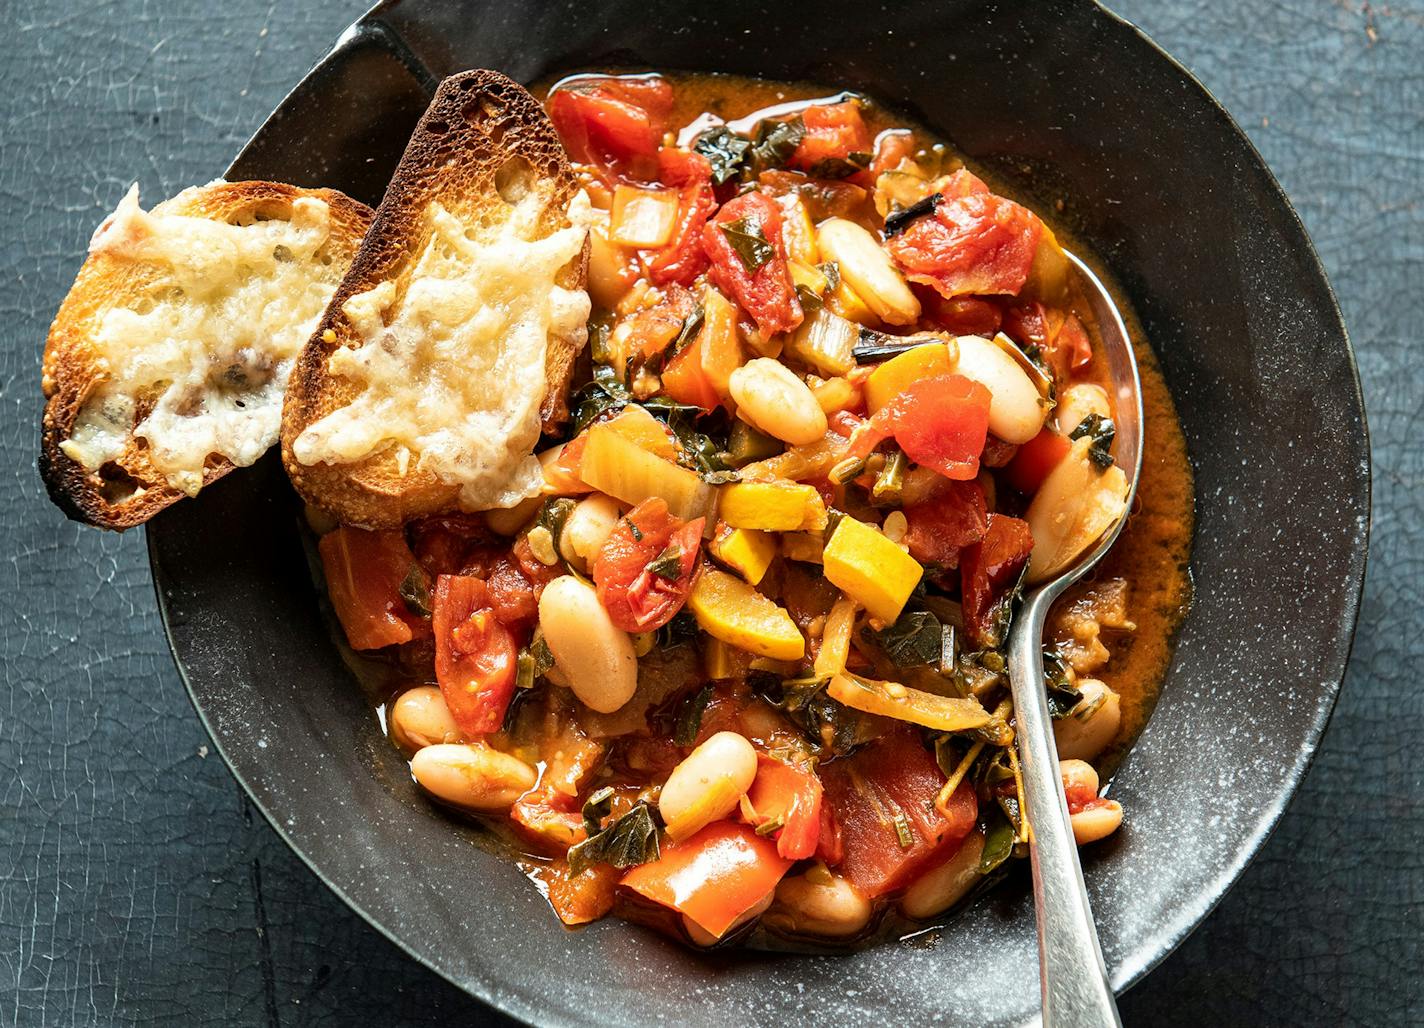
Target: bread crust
[
  {"x": 476, "y": 123},
  {"x": 129, "y": 490}
]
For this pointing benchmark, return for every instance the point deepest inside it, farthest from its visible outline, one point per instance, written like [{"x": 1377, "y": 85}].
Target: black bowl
[{"x": 1059, "y": 98}]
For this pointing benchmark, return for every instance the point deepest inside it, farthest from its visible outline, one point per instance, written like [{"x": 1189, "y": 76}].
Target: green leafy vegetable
[
  {"x": 725, "y": 150},
  {"x": 776, "y": 141},
  {"x": 916, "y": 639},
  {"x": 689, "y": 716},
  {"x": 752, "y": 247},
  {"x": 552, "y": 515},
  {"x": 702, "y": 439},
  {"x": 1001, "y": 615},
  {"x": 534, "y": 660},
  {"x": 681, "y": 630},
  {"x": 897, "y": 221},
  {"x": 667, "y": 565},
  {"x": 1102, "y": 432},
  {"x": 415, "y": 591},
  {"x": 627, "y": 842},
  {"x": 890, "y": 483},
  {"x": 841, "y": 167},
  {"x": 597, "y": 807},
  {"x": 1062, "y": 696},
  {"x": 810, "y": 301},
  {"x": 998, "y": 839},
  {"x": 829, "y": 725}
]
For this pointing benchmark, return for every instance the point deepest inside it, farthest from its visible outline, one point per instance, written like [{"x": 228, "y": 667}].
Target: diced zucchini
[
  {"x": 825, "y": 342},
  {"x": 891, "y": 699},
  {"x": 745, "y": 550},
  {"x": 870, "y": 569},
  {"x": 614, "y": 465},
  {"x": 729, "y": 609},
  {"x": 903, "y": 370},
  {"x": 772, "y": 506}
]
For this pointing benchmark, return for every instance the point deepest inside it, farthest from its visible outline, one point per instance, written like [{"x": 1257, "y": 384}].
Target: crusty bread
[
  {"x": 483, "y": 144},
  {"x": 124, "y": 486}
]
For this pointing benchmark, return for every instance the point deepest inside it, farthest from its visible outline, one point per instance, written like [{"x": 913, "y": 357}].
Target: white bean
[
  {"x": 587, "y": 528},
  {"x": 594, "y": 654},
  {"x": 1092, "y": 725},
  {"x": 773, "y": 400},
  {"x": 1096, "y": 822},
  {"x": 833, "y": 908},
  {"x": 420, "y": 718},
  {"x": 476, "y": 777},
  {"x": 1078, "y": 401},
  {"x": 708, "y": 784},
  {"x": 1073, "y": 507},
  {"x": 944, "y": 885},
  {"x": 1015, "y": 414},
  {"x": 509, "y": 520},
  {"x": 868, "y": 269},
  {"x": 1078, "y": 774}
]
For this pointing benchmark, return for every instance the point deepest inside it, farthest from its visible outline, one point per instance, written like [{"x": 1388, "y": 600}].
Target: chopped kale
[
  {"x": 725, "y": 150},
  {"x": 1102, "y": 432}
]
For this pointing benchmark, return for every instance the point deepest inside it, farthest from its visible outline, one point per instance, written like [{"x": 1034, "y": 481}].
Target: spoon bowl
[{"x": 1074, "y": 983}]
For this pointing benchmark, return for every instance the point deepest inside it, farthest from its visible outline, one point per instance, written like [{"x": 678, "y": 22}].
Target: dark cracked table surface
[{"x": 139, "y": 886}]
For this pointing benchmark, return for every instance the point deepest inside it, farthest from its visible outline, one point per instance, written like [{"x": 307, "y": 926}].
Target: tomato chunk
[
  {"x": 713, "y": 877},
  {"x": 886, "y": 789},
  {"x": 987, "y": 569},
  {"x": 974, "y": 243},
  {"x": 761, "y": 286},
  {"x": 791, "y": 796},
  {"x": 683, "y": 258},
  {"x": 1035, "y": 459},
  {"x": 645, "y": 569},
  {"x": 833, "y": 132},
  {"x": 613, "y": 120},
  {"x": 474, "y": 654},
  {"x": 684, "y": 380},
  {"x": 955, "y": 516},
  {"x": 579, "y": 899},
  {"x": 940, "y": 422},
  {"x": 364, "y": 572}
]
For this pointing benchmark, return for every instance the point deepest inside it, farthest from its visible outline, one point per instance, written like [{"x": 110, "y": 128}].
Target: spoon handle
[{"x": 1073, "y": 978}]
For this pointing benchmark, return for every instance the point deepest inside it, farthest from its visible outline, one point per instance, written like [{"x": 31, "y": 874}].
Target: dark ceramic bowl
[{"x": 1057, "y": 97}]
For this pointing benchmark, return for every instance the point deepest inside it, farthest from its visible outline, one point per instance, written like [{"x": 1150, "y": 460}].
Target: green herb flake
[
  {"x": 998, "y": 839},
  {"x": 689, "y": 716},
  {"x": 903, "y": 833},
  {"x": 725, "y": 150},
  {"x": 770, "y": 826},
  {"x": 1102, "y": 432},
  {"x": 415, "y": 591},
  {"x": 841, "y": 167},
  {"x": 634, "y": 530},
  {"x": 667, "y": 565},
  {"x": 916, "y": 639},
  {"x": 627, "y": 842},
  {"x": 746, "y": 238},
  {"x": 1062, "y": 696}
]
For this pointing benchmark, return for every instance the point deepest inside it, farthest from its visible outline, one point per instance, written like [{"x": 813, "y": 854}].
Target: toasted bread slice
[
  {"x": 452, "y": 339},
  {"x": 165, "y": 366}
]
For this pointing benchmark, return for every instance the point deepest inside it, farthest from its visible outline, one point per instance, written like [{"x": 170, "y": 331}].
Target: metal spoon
[{"x": 1073, "y": 978}]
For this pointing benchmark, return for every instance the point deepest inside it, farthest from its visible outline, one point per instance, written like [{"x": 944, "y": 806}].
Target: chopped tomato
[
  {"x": 474, "y": 654},
  {"x": 1060, "y": 335},
  {"x": 684, "y": 380},
  {"x": 364, "y": 572},
  {"x": 512, "y": 595},
  {"x": 974, "y": 243},
  {"x": 549, "y": 815},
  {"x": 650, "y": 330},
  {"x": 1074, "y": 343},
  {"x": 986, "y": 571},
  {"x": 791, "y": 796},
  {"x": 1035, "y": 459},
  {"x": 1080, "y": 798},
  {"x": 614, "y": 121},
  {"x": 442, "y": 543},
  {"x": 955, "y": 516},
  {"x": 940, "y": 422},
  {"x": 579, "y": 899},
  {"x": 765, "y": 293},
  {"x": 961, "y": 315},
  {"x": 833, "y": 131},
  {"x": 713, "y": 877},
  {"x": 883, "y": 797},
  {"x": 890, "y": 149},
  {"x": 645, "y": 569},
  {"x": 683, "y": 258},
  {"x": 997, "y": 453}
]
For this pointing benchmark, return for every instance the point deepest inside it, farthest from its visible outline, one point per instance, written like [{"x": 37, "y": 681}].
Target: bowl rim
[{"x": 1161, "y": 944}]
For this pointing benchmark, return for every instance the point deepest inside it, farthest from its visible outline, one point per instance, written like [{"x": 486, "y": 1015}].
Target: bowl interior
[{"x": 1061, "y": 99}]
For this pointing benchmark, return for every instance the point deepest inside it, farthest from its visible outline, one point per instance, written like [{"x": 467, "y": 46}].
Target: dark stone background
[{"x": 136, "y": 883}]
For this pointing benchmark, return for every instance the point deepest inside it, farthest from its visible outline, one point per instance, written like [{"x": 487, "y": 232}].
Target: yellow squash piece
[
  {"x": 773, "y": 506},
  {"x": 728, "y": 609},
  {"x": 615, "y": 465},
  {"x": 835, "y": 638},
  {"x": 891, "y": 699},
  {"x": 846, "y": 302},
  {"x": 903, "y": 370},
  {"x": 870, "y": 569},
  {"x": 745, "y": 550}
]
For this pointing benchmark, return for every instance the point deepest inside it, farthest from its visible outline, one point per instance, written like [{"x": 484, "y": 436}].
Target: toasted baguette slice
[
  {"x": 165, "y": 366},
  {"x": 452, "y": 339}
]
